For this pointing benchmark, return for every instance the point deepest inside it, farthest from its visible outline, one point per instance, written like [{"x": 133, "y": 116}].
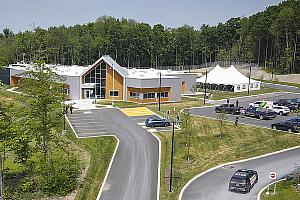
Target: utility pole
[
  {"x": 249, "y": 80},
  {"x": 113, "y": 84},
  {"x": 159, "y": 91},
  {"x": 172, "y": 154},
  {"x": 1, "y": 180},
  {"x": 205, "y": 87}
]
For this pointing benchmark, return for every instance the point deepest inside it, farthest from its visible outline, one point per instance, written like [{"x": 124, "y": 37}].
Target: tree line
[{"x": 269, "y": 38}]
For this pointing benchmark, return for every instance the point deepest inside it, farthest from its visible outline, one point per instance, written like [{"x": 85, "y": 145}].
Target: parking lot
[{"x": 244, "y": 102}]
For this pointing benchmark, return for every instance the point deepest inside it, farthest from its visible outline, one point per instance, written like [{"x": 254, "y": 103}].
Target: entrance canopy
[{"x": 229, "y": 78}]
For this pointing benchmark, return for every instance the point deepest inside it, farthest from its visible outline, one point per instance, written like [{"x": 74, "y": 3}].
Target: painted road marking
[{"x": 139, "y": 111}]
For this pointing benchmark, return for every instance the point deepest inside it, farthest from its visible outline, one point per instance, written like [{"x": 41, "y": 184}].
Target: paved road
[
  {"x": 210, "y": 111},
  {"x": 134, "y": 171},
  {"x": 283, "y": 87},
  {"x": 214, "y": 185}
]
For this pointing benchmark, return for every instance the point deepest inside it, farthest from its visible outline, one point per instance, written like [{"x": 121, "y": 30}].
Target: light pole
[
  {"x": 113, "y": 85},
  {"x": 172, "y": 154},
  {"x": 159, "y": 94},
  {"x": 249, "y": 80}
]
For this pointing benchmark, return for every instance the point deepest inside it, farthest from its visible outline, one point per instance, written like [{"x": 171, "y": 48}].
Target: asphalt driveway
[{"x": 134, "y": 173}]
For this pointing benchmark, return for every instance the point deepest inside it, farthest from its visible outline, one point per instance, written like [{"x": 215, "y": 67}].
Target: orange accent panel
[
  {"x": 182, "y": 87},
  {"x": 118, "y": 83},
  {"x": 14, "y": 81}
]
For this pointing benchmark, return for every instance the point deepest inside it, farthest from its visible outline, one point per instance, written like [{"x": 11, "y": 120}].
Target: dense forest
[{"x": 269, "y": 38}]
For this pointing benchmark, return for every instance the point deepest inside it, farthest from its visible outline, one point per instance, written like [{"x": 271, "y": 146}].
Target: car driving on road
[
  {"x": 243, "y": 180},
  {"x": 228, "y": 108},
  {"x": 281, "y": 110},
  {"x": 157, "y": 121},
  {"x": 260, "y": 113},
  {"x": 289, "y": 126}
]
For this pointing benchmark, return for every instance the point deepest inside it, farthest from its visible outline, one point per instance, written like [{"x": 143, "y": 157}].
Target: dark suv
[
  {"x": 228, "y": 108},
  {"x": 157, "y": 121},
  {"x": 243, "y": 180},
  {"x": 261, "y": 113}
]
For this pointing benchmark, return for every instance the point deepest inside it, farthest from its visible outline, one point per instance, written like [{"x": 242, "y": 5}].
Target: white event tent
[{"x": 229, "y": 79}]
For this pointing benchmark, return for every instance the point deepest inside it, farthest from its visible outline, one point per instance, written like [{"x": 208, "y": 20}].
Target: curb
[
  {"x": 258, "y": 195},
  {"x": 230, "y": 163}
]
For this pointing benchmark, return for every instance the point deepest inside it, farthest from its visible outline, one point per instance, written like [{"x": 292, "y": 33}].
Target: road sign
[{"x": 273, "y": 175}]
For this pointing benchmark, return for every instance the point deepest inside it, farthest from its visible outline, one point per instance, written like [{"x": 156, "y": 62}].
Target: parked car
[
  {"x": 286, "y": 102},
  {"x": 157, "y": 121},
  {"x": 281, "y": 110},
  {"x": 243, "y": 180},
  {"x": 296, "y": 101},
  {"x": 228, "y": 108},
  {"x": 295, "y": 121},
  {"x": 262, "y": 104},
  {"x": 288, "y": 126},
  {"x": 261, "y": 113}
]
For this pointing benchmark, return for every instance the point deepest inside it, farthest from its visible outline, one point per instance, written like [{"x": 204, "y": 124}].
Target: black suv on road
[
  {"x": 261, "y": 113},
  {"x": 243, "y": 180},
  {"x": 228, "y": 108}
]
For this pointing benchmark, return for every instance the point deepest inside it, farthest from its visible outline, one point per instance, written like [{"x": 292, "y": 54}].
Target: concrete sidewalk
[{"x": 86, "y": 104}]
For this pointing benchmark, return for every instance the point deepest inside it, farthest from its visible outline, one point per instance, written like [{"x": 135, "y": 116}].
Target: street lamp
[
  {"x": 172, "y": 154},
  {"x": 249, "y": 80},
  {"x": 113, "y": 84},
  {"x": 159, "y": 91}
]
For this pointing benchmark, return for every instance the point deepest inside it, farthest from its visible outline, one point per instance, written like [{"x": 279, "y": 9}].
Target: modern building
[{"x": 106, "y": 79}]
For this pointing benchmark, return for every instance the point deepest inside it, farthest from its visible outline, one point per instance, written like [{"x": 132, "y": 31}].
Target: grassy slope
[
  {"x": 285, "y": 190},
  {"x": 208, "y": 150},
  {"x": 101, "y": 150}
]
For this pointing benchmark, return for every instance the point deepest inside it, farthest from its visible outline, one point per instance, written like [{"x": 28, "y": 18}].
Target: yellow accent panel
[{"x": 139, "y": 111}]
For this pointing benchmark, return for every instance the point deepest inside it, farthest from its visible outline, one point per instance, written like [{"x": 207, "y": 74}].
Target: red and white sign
[{"x": 273, "y": 175}]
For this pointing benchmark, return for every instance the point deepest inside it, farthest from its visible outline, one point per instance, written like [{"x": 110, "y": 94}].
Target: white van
[{"x": 262, "y": 104}]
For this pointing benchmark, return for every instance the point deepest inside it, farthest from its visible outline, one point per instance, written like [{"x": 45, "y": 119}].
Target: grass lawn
[
  {"x": 101, "y": 150},
  {"x": 224, "y": 95},
  {"x": 285, "y": 190},
  {"x": 208, "y": 150}
]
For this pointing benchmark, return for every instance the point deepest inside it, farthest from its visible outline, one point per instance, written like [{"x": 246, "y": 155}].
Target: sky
[{"x": 21, "y": 15}]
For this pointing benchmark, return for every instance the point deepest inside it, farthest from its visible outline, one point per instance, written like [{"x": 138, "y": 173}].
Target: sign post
[{"x": 273, "y": 176}]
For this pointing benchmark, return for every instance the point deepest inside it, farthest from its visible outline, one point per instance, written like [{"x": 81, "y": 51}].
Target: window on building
[
  {"x": 150, "y": 95},
  {"x": 134, "y": 95},
  {"x": 244, "y": 86},
  {"x": 238, "y": 87},
  {"x": 66, "y": 91},
  {"x": 114, "y": 93},
  {"x": 163, "y": 94},
  {"x": 251, "y": 85},
  {"x": 256, "y": 85}
]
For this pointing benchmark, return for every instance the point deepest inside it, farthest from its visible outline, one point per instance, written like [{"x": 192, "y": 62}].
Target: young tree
[
  {"x": 221, "y": 118},
  {"x": 45, "y": 107}
]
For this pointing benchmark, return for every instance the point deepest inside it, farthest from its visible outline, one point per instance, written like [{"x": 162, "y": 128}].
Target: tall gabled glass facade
[{"x": 98, "y": 77}]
